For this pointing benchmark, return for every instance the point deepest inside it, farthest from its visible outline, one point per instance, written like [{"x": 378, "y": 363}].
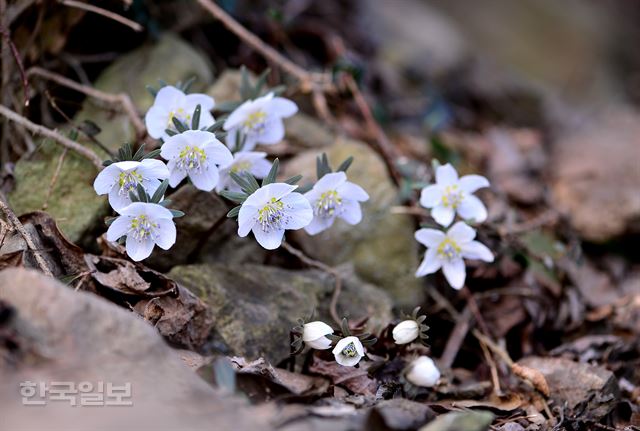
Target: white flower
[
  {"x": 272, "y": 209},
  {"x": 333, "y": 196},
  {"x": 348, "y": 351},
  {"x": 253, "y": 162},
  {"x": 118, "y": 179},
  {"x": 259, "y": 121},
  {"x": 195, "y": 154},
  {"x": 447, "y": 251},
  {"x": 451, "y": 194},
  {"x": 171, "y": 102},
  {"x": 145, "y": 225},
  {"x": 314, "y": 335},
  {"x": 406, "y": 331},
  {"x": 423, "y": 372}
]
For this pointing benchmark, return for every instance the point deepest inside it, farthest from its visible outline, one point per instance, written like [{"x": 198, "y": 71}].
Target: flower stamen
[
  {"x": 192, "y": 159},
  {"x": 328, "y": 205},
  {"x": 272, "y": 216},
  {"x": 350, "y": 351},
  {"x": 452, "y": 196},
  {"x": 142, "y": 228},
  {"x": 255, "y": 122},
  {"x": 128, "y": 181},
  {"x": 449, "y": 249}
]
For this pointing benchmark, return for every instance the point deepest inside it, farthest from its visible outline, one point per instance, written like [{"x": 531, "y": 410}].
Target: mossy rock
[
  {"x": 255, "y": 306},
  {"x": 381, "y": 248}
]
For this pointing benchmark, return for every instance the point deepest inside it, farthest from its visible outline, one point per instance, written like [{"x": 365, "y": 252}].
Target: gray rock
[
  {"x": 381, "y": 248},
  {"x": 461, "y": 421},
  {"x": 254, "y": 306},
  {"x": 68, "y": 336}
]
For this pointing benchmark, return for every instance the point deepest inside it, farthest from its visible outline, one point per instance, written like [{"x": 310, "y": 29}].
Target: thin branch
[
  {"x": 54, "y": 179},
  {"x": 13, "y": 220},
  {"x": 121, "y": 99},
  {"x": 16, "y": 56},
  {"x": 333, "y": 305},
  {"x": 308, "y": 80},
  {"x": 106, "y": 13},
  {"x": 62, "y": 140}
]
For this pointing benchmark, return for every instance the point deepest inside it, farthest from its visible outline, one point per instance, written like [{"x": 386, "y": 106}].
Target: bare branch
[{"x": 106, "y": 13}]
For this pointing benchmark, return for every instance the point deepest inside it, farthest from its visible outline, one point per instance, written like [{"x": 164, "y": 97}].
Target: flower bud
[
  {"x": 314, "y": 335},
  {"x": 423, "y": 372},
  {"x": 406, "y": 331}
]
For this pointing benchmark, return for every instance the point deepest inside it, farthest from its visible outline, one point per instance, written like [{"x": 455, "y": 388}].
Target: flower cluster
[
  {"x": 348, "y": 350},
  {"x": 451, "y": 195},
  {"x": 192, "y": 149}
]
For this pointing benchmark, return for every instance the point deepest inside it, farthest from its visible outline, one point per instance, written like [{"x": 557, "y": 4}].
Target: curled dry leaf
[{"x": 535, "y": 377}]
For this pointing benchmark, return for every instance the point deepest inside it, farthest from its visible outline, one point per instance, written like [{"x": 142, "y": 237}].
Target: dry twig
[
  {"x": 106, "y": 13},
  {"x": 62, "y": 140},
  {"x": 13, "y": 220},
  {"x": 121, "y": 99}
]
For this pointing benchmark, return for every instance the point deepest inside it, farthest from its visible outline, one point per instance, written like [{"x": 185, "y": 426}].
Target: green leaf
[
  {"x": 180, "y": 127},
  {"x": 345, "y": 165},
  {"x": 142, "y": 194},
  {"x": 195, "y": 120},
  {"x": 243, "y": 182},
  {"x": 170, "y": 132},
  {"x": 251, "y": 180},
  {"x": 151, "y": 90},
  {"x": 234, "y": 212},
  {"x": 187, "y": 84},
  {"x": 128, "y": 151},
  {"x": 293, "y": 180},
  {"x": 139, "y": 155},
  {"x": 245, "y": 85},
  {"x": 109, "y": 220},
  {"x": 160, "y": 191},
  {"x": 217, "y": 125},
  {"x": 176, "y": 213},
  {"x": 234, "y": 196},
  {"x": 133, "y": 197},
  {"x": 107, "y": 163},
  {"x": 165, "y": 203},
  {"x": 304, "y": 188},
  {"x": 227, "y": 106},
  {"x": 260, "y": 82},
  {"x": 273, "y": 172},
  {"x": 278, "y": 91},
  {"x": 152, "y": 154}
]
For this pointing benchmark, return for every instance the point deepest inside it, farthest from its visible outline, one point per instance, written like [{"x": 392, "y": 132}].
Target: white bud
[
  {"x": 314, "y": 335},
  {"x": 423, "y": 372},
  {"x": 406, "y": 331}
]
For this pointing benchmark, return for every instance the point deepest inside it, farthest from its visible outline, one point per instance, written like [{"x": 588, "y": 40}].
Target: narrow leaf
[
  {"x": 195, "y": 120},
  {"x": 152, "y": 154},
  {"x": 176, "y": 213},
  {"x": 151, "y": 90},
  {"x": 345, "y": 165},
  {"x": 251, "y": 180},
  {"x": 160, "y": 191},
  {"x": 245, "y": 85},
  {"x": 107, "y": 163},
  {"x": 234, "y": 212},
  {"x": 142, "y": 194},
  {"x": 227, "y": 106},
  {"x": 234, "y": 196},
  {"x": 188, "y": 83},
  {"x": 293, "y": 180},
  {"x": 180, "y": 127},
  {"x": 273, "y": 172},
  {"x": 260, "y": 82},
  {"x": 133, "y": 197},
  {"x": 139, "y": 154},
  {"x": 170, "y": 132}
]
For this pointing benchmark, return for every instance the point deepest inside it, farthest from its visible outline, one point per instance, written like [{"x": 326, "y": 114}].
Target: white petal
[
  {"x": 319, "y": 224},
  {"x": 139, "y": 250},
  {"x": 352, "y": 191},
  {"x": 347, "y": 361},
  {"x": 423, "y": 372},
  {"x": 282, "y": 107},
  {"x": 106, "y": 179},
  {"x": 118, "y": 201},
  {"x": 461, "y": 232},
  {"x": 279, "y": 190},
  {"x": 176, "y": 175},
  {"x": 151, "y": 168},
  {"x": 471, "y": 183},
  {"x": 118, "y": 228},
  {"x": 173, "y": 146},
  {"x": 429, "y": 237},
  {"x": 260, "y": 168},
  {"x": 238, "y": 115},
  {"x": 272, "y": 134},
  {"x": 477, "y": 250},
  {"x": 206, "y": 120},
  {"x": 315, "y": 330},
  {"x": 322, "y": 343},
  {"x": 455, "y": 273},
  {"x": 154, "y": 211},
  {"x": 299, "y": 213},
  {"x": 217, "y": 153},
  {"x": 330, "y": 181},
  {"x": 443, "y": 215},
  {"x": 206, "y": 179},
  {"x": 351, "y": 212},
  {"x": 166, "y": 234},
  {"x": 405, "y": 332},
  {"x": 169, "y": 96},
  {"x": 430, "y": 264},
  {"x": 446, "y": 175},
  {"x": 269, "y": 240},
  {"x": 472, "y": 208},
  {"x": 206, "y": 102},
  {"x": 431, "y": 196},
  {"x": 246, "y": 219},
  {"x": 156, "y": 120}
]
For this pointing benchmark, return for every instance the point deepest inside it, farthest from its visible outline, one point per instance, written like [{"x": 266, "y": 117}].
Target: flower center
[
  {"x": 255, "y": 122},
  {"x": 143, "y": 228},
  {"x": 448, "y": 249},
  {"x": 272, "y": 215},
  {"x": 192, "y": 159},
  {"x": 328, "y": 204},
  {"x": 179, "y": 114},
  {"x": 350, "y": 350},
  {"x": 128, "y": 181},
  {"x": 241, "y": 167},
  {"x": 452, "y": 196}
]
